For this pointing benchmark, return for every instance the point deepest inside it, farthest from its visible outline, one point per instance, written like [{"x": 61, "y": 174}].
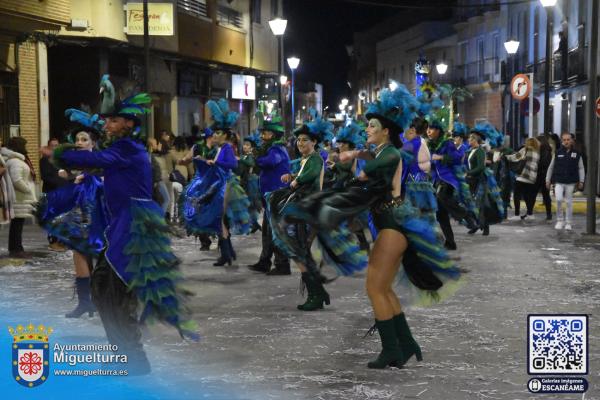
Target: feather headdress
[
  {"x": 460, "y": 129},
  {"x": 351, "y": 133},
  {"x": 489, "y": 133},
  {"x": 397, "y": 106},
  {"x": 223, "y": 118}
]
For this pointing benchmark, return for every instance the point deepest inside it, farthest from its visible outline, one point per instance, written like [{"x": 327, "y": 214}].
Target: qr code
[{"x": 557, "y": 344}]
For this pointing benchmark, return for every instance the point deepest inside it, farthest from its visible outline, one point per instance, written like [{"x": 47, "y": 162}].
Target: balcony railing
[
  {"x": 196, "y": 8},
  {"x": 575, "y": 68},
  {"x": 487, "y": 70}
]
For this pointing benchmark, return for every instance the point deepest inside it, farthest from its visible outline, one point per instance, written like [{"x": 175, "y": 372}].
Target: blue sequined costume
[{"x": 76, "y": 215}]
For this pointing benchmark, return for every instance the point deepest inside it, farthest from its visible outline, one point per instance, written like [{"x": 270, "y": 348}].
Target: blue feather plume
[
  {"x": 398, "y": 105},
  {"x": 494, "y": 137},
  {"x": 352, "y": 133},
  {"x": 223, "y": 117},
  {"x": 320, "y": 127}
]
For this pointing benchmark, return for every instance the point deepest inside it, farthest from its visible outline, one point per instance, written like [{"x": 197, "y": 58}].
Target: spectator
[
  {"x": 177, "y": 153},
  {"x": 22, "y": 176},
  {"x": 7, "y": 193},
  {"x": 525, "y": 186},
  {"x": 546, "y": 156},
  {"x": 159, "y": 174},
  {"x": 566, "y": 171},
  {"x": 51, "y": 180}
]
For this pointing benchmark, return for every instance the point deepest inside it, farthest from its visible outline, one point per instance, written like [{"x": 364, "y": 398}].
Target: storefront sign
[
  {"x": 160, "y": 19},
  {"x": 243, "y": 87}
]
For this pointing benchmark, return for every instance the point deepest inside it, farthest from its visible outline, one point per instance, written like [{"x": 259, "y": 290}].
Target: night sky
[{"x": 318, "y": 31}]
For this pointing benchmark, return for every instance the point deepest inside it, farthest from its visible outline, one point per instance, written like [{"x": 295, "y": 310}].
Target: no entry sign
[
  {"x": 598, "y": 107},
  {"x": 520, "y": 87}
]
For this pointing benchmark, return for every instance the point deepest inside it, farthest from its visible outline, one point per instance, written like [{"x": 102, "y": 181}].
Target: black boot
[
  {"x": 283, "y": 269},
  {"x": 486, "y": 230},
  {"x": 317, "y": 295},
  {"x": 231, "y": 250},
  {"x": 391, "y": 353},
  {"x": 225, "y": 257},
  {"x": 408, "y": 344},
  {"x": 260, "y": 266},
  {"x": 84, "y": 305},
  {"x": 255, "y": 227},
  {"x": 204, "y": 242},
  {"x": 472, "y": 223},
  {"x": 450, "y": 245}
]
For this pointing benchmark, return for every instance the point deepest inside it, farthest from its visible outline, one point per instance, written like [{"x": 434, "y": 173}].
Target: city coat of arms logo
[{"x": 30, "y": 354}]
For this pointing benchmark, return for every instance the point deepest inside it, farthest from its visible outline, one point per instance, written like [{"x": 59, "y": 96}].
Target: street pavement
[{"x": 256, "y": 345}]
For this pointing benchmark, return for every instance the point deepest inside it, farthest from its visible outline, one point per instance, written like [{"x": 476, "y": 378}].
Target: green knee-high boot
[
  {"x": 408, "y": 344},
  {"x": 317, "y": 295},
  {"x": 391, "y": 353}
]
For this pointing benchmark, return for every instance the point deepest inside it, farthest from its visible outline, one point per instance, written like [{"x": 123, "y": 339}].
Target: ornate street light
[
  {"x": 293, "y": 63},
  {"x": 512, "y": 46},
  {"x": 441, "y": 68},
  {"x": 278, "y": 26}
]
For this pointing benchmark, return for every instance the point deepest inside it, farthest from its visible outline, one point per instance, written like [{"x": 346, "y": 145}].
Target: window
[
  {"x": 274, "y": 8},
  {"x": 496, "y": 54},
  {"x": 196, "y": 8},
  {"x": 480, "y": 59},
  {"x": 229, "y": 16},
  {"x": 255, "y": 7}
]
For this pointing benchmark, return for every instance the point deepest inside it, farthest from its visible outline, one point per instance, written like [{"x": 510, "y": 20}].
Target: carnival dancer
[
  {"x": 137, "y": 263},
  {"x": 237, "y": 203},
  {"x": 249, "y": 179},
  {"x": 309, "y": 179},
  {"x": 483, "y": 184},
  {"x": 348, "y": 138},
  {"x": 416, "y": 184},
  {"x": 444, "y": 157},
  {"x": 76, "y": 214},
  {"x": 404, "y": 235},
  {"x": 274, "y": 162},
  {"x": 463, "y": 195}
]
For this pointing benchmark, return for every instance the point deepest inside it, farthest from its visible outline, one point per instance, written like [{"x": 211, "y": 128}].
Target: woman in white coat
[{"x": 22, "y": 176}]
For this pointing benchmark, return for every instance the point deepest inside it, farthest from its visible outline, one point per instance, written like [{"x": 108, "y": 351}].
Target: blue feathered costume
[{"x": 137, "y": 263}]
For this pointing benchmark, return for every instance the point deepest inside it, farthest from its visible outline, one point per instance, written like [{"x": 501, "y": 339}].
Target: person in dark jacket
[
  {"x": 274, "y": 162},
  {"x": 545, "y": 159},
  {"x": 566, "y": 172},
  {"x": 51, "y": 180}
]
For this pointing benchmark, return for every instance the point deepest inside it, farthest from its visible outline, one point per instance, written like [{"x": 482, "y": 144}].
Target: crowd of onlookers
[{"x": 546, "y": 161}]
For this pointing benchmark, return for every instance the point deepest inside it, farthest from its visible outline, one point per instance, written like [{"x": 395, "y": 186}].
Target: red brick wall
[
  {"x": 482, "y": 106},
  {"x": 28, "y": 101}
]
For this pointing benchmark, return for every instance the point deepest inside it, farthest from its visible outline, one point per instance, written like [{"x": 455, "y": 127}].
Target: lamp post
[
  {"x": 548, "y": 4},
  {"x": 293, "y": 63},
  {"x": 511, "y": 49},
  {"x": 278, "y": 26}
]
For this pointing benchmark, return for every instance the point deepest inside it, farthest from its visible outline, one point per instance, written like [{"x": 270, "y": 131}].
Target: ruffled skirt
[{"x": 76, "y": 215}]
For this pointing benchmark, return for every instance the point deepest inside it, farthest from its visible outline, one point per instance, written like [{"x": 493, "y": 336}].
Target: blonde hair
[{"x": 532, "y": 144}]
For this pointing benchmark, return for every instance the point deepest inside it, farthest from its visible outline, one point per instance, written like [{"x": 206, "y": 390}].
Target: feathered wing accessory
[
  {"x": 84, "y": 119},
  {"x": 223, "y": 118},
  {"x": 398, "y": 105},
  {"x": 107, "y": 91}
]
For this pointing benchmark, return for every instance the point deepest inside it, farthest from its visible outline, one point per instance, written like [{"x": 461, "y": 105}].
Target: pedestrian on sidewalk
[
  {"x": 274, "y": 162},
  {"x": 566, "y": 172},
  {"x": 22, "y": 175},
  {"x": 546, "y": 156},
  {"x": 525, "y": 186}
]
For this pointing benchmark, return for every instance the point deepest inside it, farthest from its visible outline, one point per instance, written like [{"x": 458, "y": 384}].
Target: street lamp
[
  {"x": 441, "y": 68},
  {"x": 511, "y": 49},
  {"x": 278, "y": 26},
  {"x": 512, "y": 46},
  {"x": 548, "y": 4},
  {"x": 393, "y": 85},
  {"x": 344, "y": 102},
  {"x": 293, "y": 63},
  {"x": 282, "y": 79}
]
